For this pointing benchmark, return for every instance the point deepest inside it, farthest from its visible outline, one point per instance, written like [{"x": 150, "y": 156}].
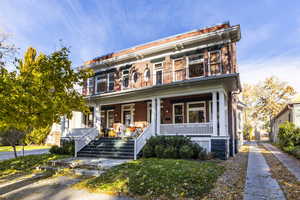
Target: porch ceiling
[{"x": 230, "y": 82}]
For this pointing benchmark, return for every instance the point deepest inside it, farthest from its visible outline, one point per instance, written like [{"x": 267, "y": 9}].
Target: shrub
[
  {"x": 67, "y": 148},
  {"x": 159, "y": 151},
  {"x": 37, "y": 136},
  {"x": 203, "y": 155},
  {"x": 296, "y": 152},
  {"x": 196, "y": 149},
  {"x": 148, "y": 151},
  {"x": 170, "y": 152},
  {"x": 186, "y": 151}
]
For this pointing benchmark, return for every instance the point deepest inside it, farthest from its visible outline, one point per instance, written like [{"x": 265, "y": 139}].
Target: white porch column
[
  {"x": 222, "y": 109},
  {"x": 214, "y": 114},
  {"x": 153, "y": 116},
  {"x": 97, "y": 116},
  {"x": 158, "y": 116}
]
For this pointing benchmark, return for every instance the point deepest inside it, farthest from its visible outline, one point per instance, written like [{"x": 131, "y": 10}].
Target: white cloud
[{"x": 286, "y": 68}]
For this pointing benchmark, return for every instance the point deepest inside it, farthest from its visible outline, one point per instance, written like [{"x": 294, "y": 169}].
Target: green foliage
[
  {"x": 296, "y": 151},
  {"x": 37, "y": 136},
  {"x": 169, "y": 147},
  {"x": 157, "y": 179},
  {"x": 67, "y": 148},
  {"x": 288, "y": 135},
  {"x": 186, "y": 152},
  {"x": 25, "y": 163},
  {"x": 170, "y": 152},
  {"x": 159, "y": 151}
]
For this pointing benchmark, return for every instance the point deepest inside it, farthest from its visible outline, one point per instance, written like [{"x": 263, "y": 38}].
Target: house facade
[
  {"x": 185, "y": 84},
  {"x": 290, "y": 113}
]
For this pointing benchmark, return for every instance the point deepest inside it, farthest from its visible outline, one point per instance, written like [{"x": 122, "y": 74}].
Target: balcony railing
[{"x": 187, "y": 129}]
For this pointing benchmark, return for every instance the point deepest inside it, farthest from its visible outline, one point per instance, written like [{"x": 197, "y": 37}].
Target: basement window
[{"x": 196, "y": 65}]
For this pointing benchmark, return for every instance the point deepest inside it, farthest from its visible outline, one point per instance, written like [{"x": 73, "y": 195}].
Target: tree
[{"x": 41, "y": 92}]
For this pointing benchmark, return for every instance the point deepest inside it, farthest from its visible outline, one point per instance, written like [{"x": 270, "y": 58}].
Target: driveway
[{"x": 10, "y": 154}]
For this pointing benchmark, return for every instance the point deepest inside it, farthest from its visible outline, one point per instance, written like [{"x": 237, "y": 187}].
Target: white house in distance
[
  {"x": 186, "y": 84},
  {"x": 290, "y": 113}
]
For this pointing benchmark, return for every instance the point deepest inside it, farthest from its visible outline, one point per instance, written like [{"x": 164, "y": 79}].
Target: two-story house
[{"x": 184, "y": 84}]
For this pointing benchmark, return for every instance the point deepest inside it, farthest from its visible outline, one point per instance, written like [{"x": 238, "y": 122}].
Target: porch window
[
  {"x": 196, "y": 112},
  {"x": 179, "y": 69},
  {"x": 158, "y": 69},
  {"x": 110, "y": 118},
  {"x": 125, "y": 78},
  {"x": 178, "y": 113},
  {"x": 101, "y": 83},
  {"x": 91, "y": 85},
  {"x": 215, "y": 62},
  {"x": 110, "y": 81},
  {"x": 196, "y": 65}
]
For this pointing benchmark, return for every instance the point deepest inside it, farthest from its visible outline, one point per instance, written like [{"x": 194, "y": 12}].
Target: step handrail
[
  {"x": 141, "y": 140},
  {"x": 84, "y": 140}
]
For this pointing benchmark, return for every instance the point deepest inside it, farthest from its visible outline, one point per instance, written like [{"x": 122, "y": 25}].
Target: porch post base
[{"x": 220, "y": 148}]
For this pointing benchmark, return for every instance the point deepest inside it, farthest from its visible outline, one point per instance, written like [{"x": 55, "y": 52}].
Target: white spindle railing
[
  {"x": 187, "y": 129},
  {"x": 141, "y": 140},
  {"x": 83, "y": 136}
]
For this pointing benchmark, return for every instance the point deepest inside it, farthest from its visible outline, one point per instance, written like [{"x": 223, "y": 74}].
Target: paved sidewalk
[
  {"x": 55, "y": 189},
  {"x": 292, "y": 164},
  {"x": 10, "y": 154},
  {"x": 259, "y": 183}
]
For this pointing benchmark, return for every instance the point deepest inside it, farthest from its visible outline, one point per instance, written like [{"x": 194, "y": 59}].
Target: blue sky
[{"x": 270, "y": 43}]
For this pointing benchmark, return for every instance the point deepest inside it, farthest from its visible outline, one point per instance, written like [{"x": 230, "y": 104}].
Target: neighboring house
[
  {"x": 290, "y": 113},
  {"x": 185, "y": 84}
]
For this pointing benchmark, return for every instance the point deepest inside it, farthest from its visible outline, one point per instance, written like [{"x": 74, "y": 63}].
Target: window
[
  {"x": 91, "y": 85},
  {"x": 134, "y": 77},
  {"x": 125, "y": 78},
  {"x": 196, "y": 65},
  {"x": 158, "y": 69},
  {"x": 101, "y": 83},
  {"x": 110, "y": 119},
  {"x": 147, "y": 75},
  {"x": 215, "y": 62},
  {"x": 179, "y": 69},
  {"x": 196, "y": 112},
  {"x": 127, "y": 114},
  {"x": 178, "y": 113},
  {"x": 110, "y": 81}
]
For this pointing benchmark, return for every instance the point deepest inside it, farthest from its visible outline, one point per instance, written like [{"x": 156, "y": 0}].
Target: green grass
[
  {"x": 26, "y": 164},
  {"x": 20, "y": 148},
  {"x": 157, "y": 178}
]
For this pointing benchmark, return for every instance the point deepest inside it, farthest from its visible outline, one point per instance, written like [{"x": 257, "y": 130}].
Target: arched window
[{"x": 147, "y": 74}]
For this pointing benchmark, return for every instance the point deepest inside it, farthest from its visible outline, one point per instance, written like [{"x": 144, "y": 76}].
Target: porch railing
[
  {"x": 141, "y": 140},
  {"x": 82, "y": 137},
  {"x": 187, "y": 129}
]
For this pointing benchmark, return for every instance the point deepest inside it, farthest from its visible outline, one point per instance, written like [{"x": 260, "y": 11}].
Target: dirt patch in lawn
[
  {"x": 231, "y": 184},
  {"x": 287, "y": 181}
]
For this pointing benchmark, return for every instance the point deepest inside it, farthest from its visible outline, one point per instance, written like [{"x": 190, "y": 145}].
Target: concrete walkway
[
  {"x": 55, "y": 189},
  {"x": 10, "y": 154},
  {"x": 292, "y": 164},
  {"x": 259, "y": 183}
]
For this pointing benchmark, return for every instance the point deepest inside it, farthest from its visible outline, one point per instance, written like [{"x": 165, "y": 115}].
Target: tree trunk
[
  {"x": 23, "y": 150},
  {"x": 15, "y": 151}
]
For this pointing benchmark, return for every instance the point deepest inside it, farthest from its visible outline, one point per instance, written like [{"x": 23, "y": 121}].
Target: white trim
[
  {"x": 173, "y": 112},
  {"x": 149, "y": 107},
  {"x": 188, "y": 66},
  {"x": 157, "y": 70},
  {"x": 222, "y": 119},
  {"x": 215, "y": 89},
  {"x": 201, "y": 108},
  {"x": 214, "y": 114},
  {"x": 158, "y": 109},
  {"x": 122, "y": 79}
]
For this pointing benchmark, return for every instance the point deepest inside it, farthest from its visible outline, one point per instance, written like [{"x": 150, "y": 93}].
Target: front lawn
[
  {"x": 157, "y": 178},
  {"x": 26, "y": 163},
  {"x": 20, "y": 148}
]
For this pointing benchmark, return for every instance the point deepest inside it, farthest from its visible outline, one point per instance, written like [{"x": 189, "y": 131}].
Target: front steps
[{"x": 116, "y": 148}]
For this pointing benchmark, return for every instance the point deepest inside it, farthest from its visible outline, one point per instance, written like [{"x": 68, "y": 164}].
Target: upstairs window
[
  {"x": 215, "y": 62},
  {"x": 101, "y": 83},
  {"x": 110, "y": 81},
  {"x": 125, "y": 79},
  {"x": 158, "y": 72},
  {"x": 179, "y": 69},
  {"x": 134, "y": 77},
  {"x": 196, "y": 66},
  {"x": 91, "y": 85},
  {"x": 147, "y": 75}
]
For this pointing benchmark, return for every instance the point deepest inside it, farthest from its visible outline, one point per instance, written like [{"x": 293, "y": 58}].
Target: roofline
[{"x": 111, "y": 55}]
